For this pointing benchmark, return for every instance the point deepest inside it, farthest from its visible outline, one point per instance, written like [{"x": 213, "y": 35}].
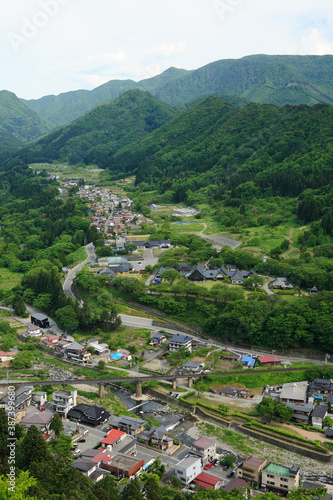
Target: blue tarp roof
[
  {"x": 248, "y": 360},
  {"x": 116, "y": 355}
]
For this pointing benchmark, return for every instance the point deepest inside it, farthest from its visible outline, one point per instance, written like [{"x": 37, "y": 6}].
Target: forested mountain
[
  {"x": 97, "y": 136},
  {"x": 68, "y": 106},
  {"x": 243, "y": 152},
  {"x": 18, "y": 123},
  {"x": 259, "y": 78}
]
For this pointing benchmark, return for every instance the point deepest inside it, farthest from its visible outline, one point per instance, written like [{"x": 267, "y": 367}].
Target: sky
[{"x": 54, "y": 46}]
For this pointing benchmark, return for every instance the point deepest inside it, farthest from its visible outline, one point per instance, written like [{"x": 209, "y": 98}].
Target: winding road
[{"x": 68, "y": 284}]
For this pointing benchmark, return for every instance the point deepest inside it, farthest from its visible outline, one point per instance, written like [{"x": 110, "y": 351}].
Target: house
[
  {"x": 282, "y": 284},
  {"x": 77, "y": 352},
  {"x": 63, "y": 401},
  {"x": 17, "y": 415},
  {"x": 204, "y": 448},
  {"x": 198, "y": 273},
  {"x": 294, "y": 392},
  {"x": 208, "y": 481},
  {"x": 61, "y": 345},
  {"x": 7, "y": 356},
  {"x": 229, "y": 392},
  {"x": 318, "y": 414},
  {"x": 130, "y": 425},
  {"x": 230, "y": 357},
  {"x": 88, "y": 469},
  {"x": 320, "y": 388},
  {"x": 123, "y": 465},
  {"x": 158, "y": 339},
  {"x": 269, "y": 360},
  {"x": 248, "y": 361},
  {"x": 40, "y": 320},
  {"x": 112, "y": 439},
  {"x": 39, "y": 398},
  {"x": 302, "y": 412},
  {"x": 99, "y": 348},
  {"x": 106, "y": 271},
  {"x": 89, "y": 414},
  {"x": 156, "y": 437},
  {"x": 40, "y": 419},
  {"x": 235, "y": 483},
  {"x": 278, "y": 478},
  {"x": 192, "y": 367},
  {"x": 33, "y": 331},
  {"x": 23, "y": 396},
  {"x": 50, "y": 340},
  {"x": 188, "y": 469},
  {"x": 250, "y": 470},
  {"x": 178, "y": 341}
]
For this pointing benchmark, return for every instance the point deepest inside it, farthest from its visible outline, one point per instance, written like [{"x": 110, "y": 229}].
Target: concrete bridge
[{"x": 103, "y": 381}]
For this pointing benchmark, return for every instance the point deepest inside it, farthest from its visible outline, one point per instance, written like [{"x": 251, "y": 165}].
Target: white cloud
[
  {"x": 108, "y": 58},
  {"x": 168, "y": 49},
  {"x": 315, "y": 44}
]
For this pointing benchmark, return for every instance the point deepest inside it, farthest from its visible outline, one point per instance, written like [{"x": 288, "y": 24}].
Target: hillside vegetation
[
  {"x": 18, "y": 123},
  {"x": 259, "y": 78},
  {"x": 97, "y": 136}
]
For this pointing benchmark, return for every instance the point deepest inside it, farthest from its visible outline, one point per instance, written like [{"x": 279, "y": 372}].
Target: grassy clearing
[
  {"x": 240, "y": 443},
  {"x": 91, "y": 173},
  {"x": 77, "y": 257},
  {"x": 110, "y": 402},
  {"x": 8, "y": 279}
]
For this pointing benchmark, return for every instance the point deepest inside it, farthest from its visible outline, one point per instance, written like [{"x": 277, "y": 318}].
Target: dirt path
[{"x": 312, "y": 435}]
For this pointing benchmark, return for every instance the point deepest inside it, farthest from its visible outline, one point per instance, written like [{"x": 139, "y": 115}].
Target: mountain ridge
[{"x": 274, "y": 79}]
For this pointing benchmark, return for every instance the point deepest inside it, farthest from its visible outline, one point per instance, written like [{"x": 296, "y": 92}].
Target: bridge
[
  {"x": 138, "y": 380},
  {"x": 103, "y": 381}
]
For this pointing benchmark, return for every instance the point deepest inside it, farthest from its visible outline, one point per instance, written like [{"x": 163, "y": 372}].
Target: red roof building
[
  {"x": 208, "y": 481},
  {"x": 123, "y": 465},
  {"x": 269, "y": 360},
  {"x": 113, "y": 437},
  {"x": 102, "y": 457}
]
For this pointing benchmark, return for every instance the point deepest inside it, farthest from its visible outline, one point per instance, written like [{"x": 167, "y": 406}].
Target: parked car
[
  {"x": 208, "y": 466},
  {"x": 231, "y": 473},
  {"x": 77, "y": 453},
  {"x": 225, "y": 467},
  {"x": 42, "y": 408},
  {"x": 82, "y": 440}
]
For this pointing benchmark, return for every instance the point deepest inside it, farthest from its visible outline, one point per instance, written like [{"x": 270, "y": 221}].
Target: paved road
[
  {"x": 221, "y": 241},
  {"x": 90, "y": 249}
]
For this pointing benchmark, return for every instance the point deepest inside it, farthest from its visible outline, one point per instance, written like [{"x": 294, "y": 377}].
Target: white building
[
  {"x": 188, "y": 469},
  {"x": 63, "y": 401},
  {"x": 178, "y": 341}
]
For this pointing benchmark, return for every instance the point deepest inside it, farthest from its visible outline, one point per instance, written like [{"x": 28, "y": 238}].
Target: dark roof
[
  {"x": 107, "y": 271},
  {"x": 180, "y": 339},
  {"x": 40, "y": 317},
  {"x": 83, "y": 465},
  {"x": 320, "y": 411},
  {"x": 89, "y": 414}
]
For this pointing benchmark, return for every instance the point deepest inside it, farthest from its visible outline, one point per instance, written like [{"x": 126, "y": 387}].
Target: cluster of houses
[
  {"x": 202, "y": 273},
  {"x": 308, "y": 401},
  {"x": 108, "y": 212}
]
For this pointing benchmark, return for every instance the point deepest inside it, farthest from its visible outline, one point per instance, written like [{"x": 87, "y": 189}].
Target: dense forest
[
  {"x": 97, "y": 136},
  {"x": 39, "y": 233}
]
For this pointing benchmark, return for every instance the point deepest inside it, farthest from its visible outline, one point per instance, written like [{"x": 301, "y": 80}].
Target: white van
[{"x": 77, "y": 453}]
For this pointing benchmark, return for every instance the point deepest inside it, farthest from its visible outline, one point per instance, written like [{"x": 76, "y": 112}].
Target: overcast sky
[{"x": 53, "y": 46}]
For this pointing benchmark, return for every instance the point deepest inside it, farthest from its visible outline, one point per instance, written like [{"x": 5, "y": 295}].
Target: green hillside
[
  {"x": 19, "y": 121},
  {"x": 97, "y": 136},
  {"x": 219, "y": 149},
  {"x": 68, "y": 106},
  {"x": 259, "y": 78}
]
